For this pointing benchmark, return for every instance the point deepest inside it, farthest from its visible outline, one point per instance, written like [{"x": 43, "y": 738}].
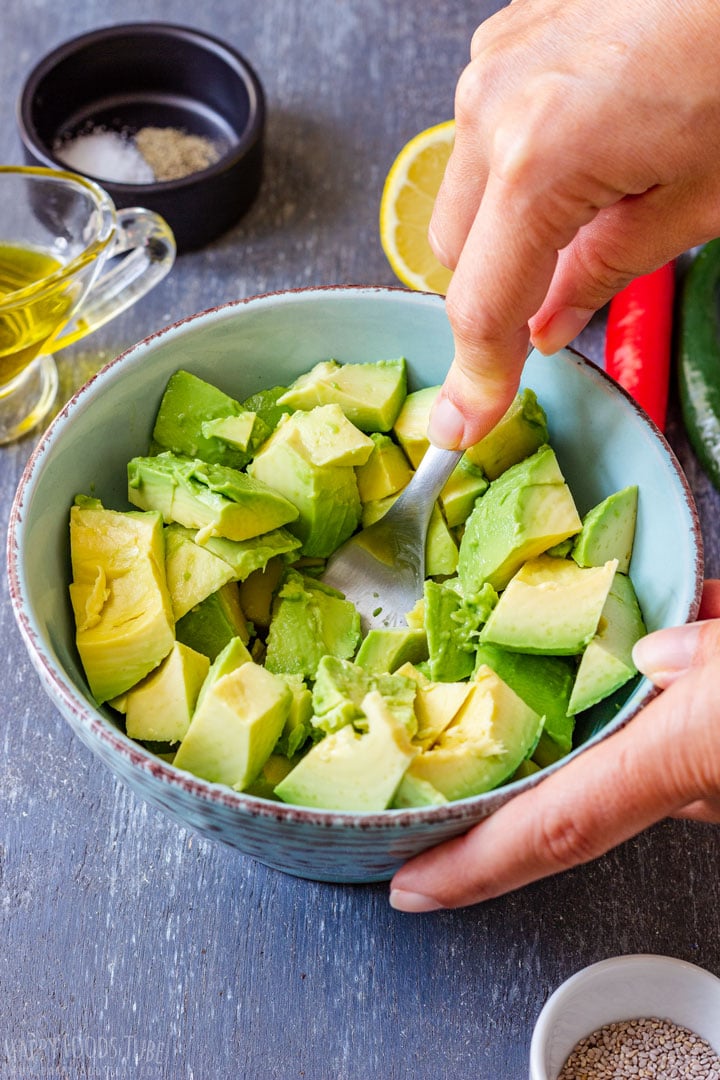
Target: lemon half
[{"x": 406, "y": 206}]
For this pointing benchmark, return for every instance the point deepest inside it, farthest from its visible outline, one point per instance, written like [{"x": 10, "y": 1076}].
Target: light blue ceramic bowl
[{"x": 603, "y": 443}]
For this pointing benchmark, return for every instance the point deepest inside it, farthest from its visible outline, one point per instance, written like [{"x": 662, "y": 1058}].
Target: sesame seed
[{"x": 646, "y": 1047}]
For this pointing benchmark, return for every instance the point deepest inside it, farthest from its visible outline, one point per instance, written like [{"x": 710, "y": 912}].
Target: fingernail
[
  {"x": 561, "y": 328},
  {"x": 447, "y": 424},
  {"x": 667, "y": 653},
  {"x": 412, "y": 901}
]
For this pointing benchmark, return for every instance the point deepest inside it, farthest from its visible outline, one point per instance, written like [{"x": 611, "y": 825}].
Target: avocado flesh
[
  {"x": 608, "y": 531},
  {"x": 369, "y": 394},
  {"x": 551, "y": 606},
  {"x": 309, "y": 621},
  {"x": 325, "y": 436},
  {"x": 217, "y": 500},
  {"x": 190, "y": 404},
  {"x": 120, "y": 598},
  {"x": 386, "y": 471},
  {"x": 466, "y": 484},
  {"x": 607, "y": 662},
  {"x": 214, "y": 622},
  {"x": 326, "y": 499},
  {"x": 411, "y": 423},
  {"x": 159, "y": 708},
  {"x": 484, "y": 744},
  {"x": 342, "y": 686},
  {"x": 235, "y": 727},
  {"x": 387, "y": 648},
  {"x": 436, "y": 704},
  {"x": 351, "y": 771},
  {"x": 516, "y": 436},
  {"x": 193, "y": 572},
  {"x": 452, "y": 624},
  {"x": 524, "y": 512},
  {"x": 544, "y": 683}
]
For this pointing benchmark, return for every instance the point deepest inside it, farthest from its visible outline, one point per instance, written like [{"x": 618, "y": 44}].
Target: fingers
[
  {"x": 664, "y": 760},
  {"x": 667, "y": 655}
]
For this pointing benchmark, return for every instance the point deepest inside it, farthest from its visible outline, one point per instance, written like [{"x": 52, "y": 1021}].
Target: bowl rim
[
  {"x": 243, "y": 69},
  {"x": 61, "y": 688}
]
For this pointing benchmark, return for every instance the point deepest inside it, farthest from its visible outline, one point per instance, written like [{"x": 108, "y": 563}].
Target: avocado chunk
[
  {"x": 236, "y": 431},
  {"x": 298, "y": 726},
  {"x": 326, "y": 497},
  {"x": 190, "y": 405},
  {"x": 466, "y": 484},
  {"x": 273, "y": 771},
  {"x": 385, "y": 472},
  {"x": 160, "y": 707},
  {"x": 544, "y": 683},
  {"x": 235, "y": 726},
  {"x": 215, "y": 621},
  {"x": 385, "y": 649},
  {"x": 551, "y": 606},
  {"x": 517, "y": 435},
  {"x": 414, "y": 791},
  {"x": 482, "y": 747},
  {"x": 309, "y": 621},
  {"x": 232, "y": 656},
  {"x": 119, "y": 594},
  {"x": 265, "y": 404},
  {"x": 436, "y": 704},
  {"x": 523, "y": 513},
  {"x": 412, "y": 421},
  {"x": 246, "y": 556},
  {"x": 325, "y": 436},
  {"x": 217, "y": 500},
  {"x": 370, "y": 394},
  {"x": 341, "y": 687},
  {"x": 607, "y": 662},
  {"x": 452, "y": 624},
  {"x": 193, "y": 572},
  {"x": 352, "y": 771},
  {"x": 608, "y": 531},
  {"x": 257, "y": 592}
]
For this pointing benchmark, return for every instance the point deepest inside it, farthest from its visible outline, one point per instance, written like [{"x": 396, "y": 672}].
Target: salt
[{"x": 106, "y": 155}]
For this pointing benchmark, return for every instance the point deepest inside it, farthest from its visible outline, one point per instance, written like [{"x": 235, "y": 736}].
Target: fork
[{"x": 382, "y": 568}]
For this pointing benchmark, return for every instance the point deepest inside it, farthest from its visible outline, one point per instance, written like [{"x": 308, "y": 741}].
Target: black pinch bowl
[{"x": 152, "y": 74}]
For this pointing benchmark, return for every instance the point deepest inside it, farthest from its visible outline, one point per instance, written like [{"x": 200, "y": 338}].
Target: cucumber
[{"x": 699, "y": 358}]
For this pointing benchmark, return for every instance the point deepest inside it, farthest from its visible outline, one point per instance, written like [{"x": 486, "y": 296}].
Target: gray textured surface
[{"x": 129, "y": 947}]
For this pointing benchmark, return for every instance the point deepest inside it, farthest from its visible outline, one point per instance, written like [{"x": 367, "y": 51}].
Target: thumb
[{"x": 668, "y": 654}]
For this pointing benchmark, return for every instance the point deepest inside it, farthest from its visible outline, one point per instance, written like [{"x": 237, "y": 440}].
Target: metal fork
[{"x": 382, "y": 568}]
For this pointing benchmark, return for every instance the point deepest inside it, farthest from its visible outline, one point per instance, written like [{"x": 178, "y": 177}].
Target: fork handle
[{"x": 429, "y": 478}]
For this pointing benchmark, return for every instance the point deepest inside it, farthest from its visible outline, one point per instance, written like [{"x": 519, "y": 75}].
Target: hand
[
  {"x": 587, "y": 152},
  {"x": 665, "y": 762}
]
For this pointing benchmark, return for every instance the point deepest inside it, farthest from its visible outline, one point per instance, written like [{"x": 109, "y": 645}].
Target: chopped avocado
[
  {"x": 236, "y": 431},
  {"x": 350, "y": 771},
  {"x": 607, "y": 661},
  {"x": 341, "y": 687},
  {"x": 551, "y": 606},
  {"x": 273, "y": 771},
  {"x": 526, "y": 768},
  {"x": 412, "y": 422},
  {"x": 414, "y": 791},
  {"x": 436, "y": 704},
  {"x": 387, "y": 648},
  {"x": 160, "y": 707},
  {"x": 119, "y": 595},
  {"x": 217, "y": 500},
  {"x": 523, "y": 513},
  {"x": 608, "y": 531},
  {"x": 309, "y": 621},
  {"x": 452, "y": 624},
  {"x": 298, "y": 726},
  {"x": 265, "y": 405},
  {"x": 467, "y": 482},
  {"x": 326, "y": 499},
  {"x": 235, "y": 727},
  {"x": 325, "y": 436},
  {"x": 246, "y": 556},
  {"x": 385, "y": 472},
  {"x": 487, "y": 739},
  {"x": 186, "y": 406},
  {"x": 257, "y": 592},
  {"x": 192, "y": 571},
  {"x": 520, "y": 433},
  {"x": 216, "y": 620},
  {"x": 232, "y": 656},
  {"x": 370, "y": 395},
  {"x": 543, "y": 682}
]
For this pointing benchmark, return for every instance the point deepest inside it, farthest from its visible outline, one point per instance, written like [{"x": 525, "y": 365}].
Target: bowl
[
  {"x": 603, "y": 442},
  {"x": 130, "y": 78},
  {"x": 624, "y": 988}
]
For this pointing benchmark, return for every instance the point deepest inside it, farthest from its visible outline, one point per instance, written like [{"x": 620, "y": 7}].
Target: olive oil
[{"x": 27, "y": 325}]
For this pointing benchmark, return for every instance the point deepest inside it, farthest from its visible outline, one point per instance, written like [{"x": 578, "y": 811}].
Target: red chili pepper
[{"x": 638, "y": 339}]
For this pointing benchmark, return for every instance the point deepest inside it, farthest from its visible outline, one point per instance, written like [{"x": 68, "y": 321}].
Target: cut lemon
[{"x": 406, "y": 207}]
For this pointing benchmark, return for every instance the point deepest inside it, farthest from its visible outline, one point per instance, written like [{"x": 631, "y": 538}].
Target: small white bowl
[{"x": 623, "y": 988}]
